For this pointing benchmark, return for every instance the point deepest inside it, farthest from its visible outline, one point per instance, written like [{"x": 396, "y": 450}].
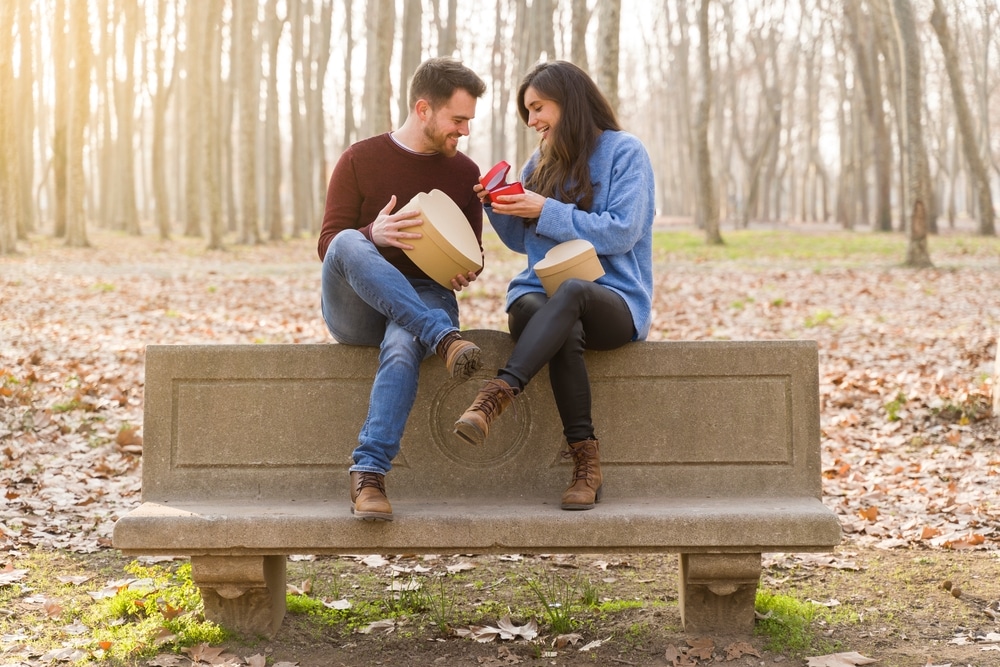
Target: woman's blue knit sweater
[{"x": 619, "y": 225}]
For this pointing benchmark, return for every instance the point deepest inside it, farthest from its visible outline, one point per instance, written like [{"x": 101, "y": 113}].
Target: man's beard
[{"x": 440, "y": 142}]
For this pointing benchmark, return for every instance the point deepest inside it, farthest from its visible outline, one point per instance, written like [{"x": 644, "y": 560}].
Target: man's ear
[{"x": 423, "y": 109}]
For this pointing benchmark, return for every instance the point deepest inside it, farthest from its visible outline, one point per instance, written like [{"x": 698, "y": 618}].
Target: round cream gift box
[
  {"x": 447, "y": 245},
  {"x": 572, "y": 259}
]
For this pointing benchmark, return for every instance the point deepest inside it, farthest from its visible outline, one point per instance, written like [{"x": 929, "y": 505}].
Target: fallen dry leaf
[{"x": 851, "y": 659}]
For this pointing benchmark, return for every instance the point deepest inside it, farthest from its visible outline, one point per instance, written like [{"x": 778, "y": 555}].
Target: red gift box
[{"x": 495, "y": 181}]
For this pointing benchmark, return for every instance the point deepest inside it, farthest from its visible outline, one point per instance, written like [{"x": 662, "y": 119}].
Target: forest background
[{"x": 223, "y": 119}]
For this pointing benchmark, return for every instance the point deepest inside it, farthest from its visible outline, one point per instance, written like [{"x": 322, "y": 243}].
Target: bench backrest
[{"x": 710, "y": 419}]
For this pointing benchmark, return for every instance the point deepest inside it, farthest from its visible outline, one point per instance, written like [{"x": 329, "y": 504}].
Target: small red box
[{"x": 495, "y": 181}]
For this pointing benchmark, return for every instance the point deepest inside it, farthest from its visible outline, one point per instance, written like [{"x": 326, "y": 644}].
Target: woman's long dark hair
[{"x": 563, "y": 171}]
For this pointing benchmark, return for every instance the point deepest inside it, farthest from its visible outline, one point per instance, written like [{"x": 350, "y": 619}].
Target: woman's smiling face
[{"x": 543, "y": 114}]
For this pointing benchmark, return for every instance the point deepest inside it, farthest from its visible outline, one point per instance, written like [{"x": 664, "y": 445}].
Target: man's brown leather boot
[
  {"x": 474, "y": 424},
  {"x": 461, "y": 357},
  {"x": 368, "y": 499},
  {"x": 585, "y": 490}
]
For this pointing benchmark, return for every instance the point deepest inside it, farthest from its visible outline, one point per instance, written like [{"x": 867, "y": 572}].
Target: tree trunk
[
  {"x": 25, "y": 221},
  {"x": 579, "y": 20},
  {"x": 911, "y": 99},
  {"x": 195, "y": 97},
  {"x": 608, "y": 29},
  {"x": 9, "y": 161},
  {"x": 60, "y": 106},
  {"x": 501, "y": 91},
  {"x": 708, "y": 207},
  {"x": 410, "y": 55},
  {"x": 161, "y": 98},
  {"x": 247, "y": 76},
  {"x": 381, "y": 21},
  {"x": 212, "y": 110},
  {"x": 321, "y": 60},
  {"x": 977, "y": 168},
  {"x": 79, "y": 114},
  {"x": 521, "y": 50},
  {"x": 272, "y": 135},
  {"x": 868, "y": 71},
  {"x": 448, "y": 29},
  {"x": 126, "y": 208},
  {"x": 298, "y": 91}
]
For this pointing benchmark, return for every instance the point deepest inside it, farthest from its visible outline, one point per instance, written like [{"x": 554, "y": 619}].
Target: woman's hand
[
  {"x": 527, "y": 206},
  {"x": 393, "y": 229}
]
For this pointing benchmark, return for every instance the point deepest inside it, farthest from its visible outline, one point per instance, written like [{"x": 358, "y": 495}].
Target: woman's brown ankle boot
[{"x": 585, "y": 490}]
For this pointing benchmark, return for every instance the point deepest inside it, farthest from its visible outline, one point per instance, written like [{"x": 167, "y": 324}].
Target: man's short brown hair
[{"x": 436, "y": 80}]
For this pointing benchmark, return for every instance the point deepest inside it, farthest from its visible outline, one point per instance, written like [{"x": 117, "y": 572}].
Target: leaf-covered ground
[{"x": 911, "y": 451}]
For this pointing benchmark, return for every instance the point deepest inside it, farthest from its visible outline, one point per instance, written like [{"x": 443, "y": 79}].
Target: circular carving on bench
[{"x": 508, "y": 433}]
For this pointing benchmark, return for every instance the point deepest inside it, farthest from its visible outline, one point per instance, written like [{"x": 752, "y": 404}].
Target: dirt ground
[{"x": 887, "y": 605}]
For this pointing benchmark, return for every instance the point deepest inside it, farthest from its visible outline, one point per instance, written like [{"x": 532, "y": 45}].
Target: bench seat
[{"x": 674, "y": 525}]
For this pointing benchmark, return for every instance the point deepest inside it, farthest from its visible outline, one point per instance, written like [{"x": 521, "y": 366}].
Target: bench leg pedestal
[
  {"x": 718, "y": 592},
  {"x": 242, "y": 593}
]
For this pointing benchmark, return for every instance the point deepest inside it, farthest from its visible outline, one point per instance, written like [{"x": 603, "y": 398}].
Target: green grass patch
[
  {"x": 791, "y": 625},
  {"x": 157, "y": 608},
  {"x": 818, "y": 249}
]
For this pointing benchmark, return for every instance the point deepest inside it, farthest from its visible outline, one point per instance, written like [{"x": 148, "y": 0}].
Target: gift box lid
[{"x": 572, "y": 259}]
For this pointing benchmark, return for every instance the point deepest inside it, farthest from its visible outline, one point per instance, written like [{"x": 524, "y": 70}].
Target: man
[{"x": 373, "y": 294}]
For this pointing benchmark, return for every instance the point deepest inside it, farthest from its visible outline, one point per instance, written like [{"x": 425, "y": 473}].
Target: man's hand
[
  {"x": 463, "y": 280},
  {"x": 393, "y": 229}
]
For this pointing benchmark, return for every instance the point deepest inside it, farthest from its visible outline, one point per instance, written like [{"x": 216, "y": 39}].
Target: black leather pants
[{"x": 580, "y": 316}]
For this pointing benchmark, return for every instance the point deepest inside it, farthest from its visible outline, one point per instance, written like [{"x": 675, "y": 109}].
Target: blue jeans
[{"x": 367, "y": 301}]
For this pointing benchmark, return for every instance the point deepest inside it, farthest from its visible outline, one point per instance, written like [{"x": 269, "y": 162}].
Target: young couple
[{"x": 587, "y": 179}]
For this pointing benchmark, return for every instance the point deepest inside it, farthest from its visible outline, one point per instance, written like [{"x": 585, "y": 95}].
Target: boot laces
[
  {"x": 491, "y": 396},
  {"x": 372, "y": 480},
  {"x": 583, "y": 460}
]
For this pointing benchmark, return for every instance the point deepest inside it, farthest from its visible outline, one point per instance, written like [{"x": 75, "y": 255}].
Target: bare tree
[
  {"x": 579, "y": 20},
  {"x": 60, "y": 113},
  {"x": 273, "y": 26},
  {"x": 350, "y": 126},
  {"x": 708, "y": 207},
  {"x": 25, "y": 130},
  {"x": 410, "y": 55},
  {"x": 609, "y": 29},
  {"x": 160, "y": 99},
  {"x": 247, "y": 75},
  {"x": 917, "y": 254},
  {"x": 980, "y": 176},
  {"x": 196, "y": 82},
  {"x": 319, "y": 43},
  {"x": 9, "y": 161},
  {"x": 124, "y": 207},
  {"x": 447, "y": 28},
  {"x": 79, "y": 115},
  {"x": 211, "y": 166},
  {"x": 381, "y": 21},
  {"x": 868, "y": 72},
  {"x": 501, "y": 89}
]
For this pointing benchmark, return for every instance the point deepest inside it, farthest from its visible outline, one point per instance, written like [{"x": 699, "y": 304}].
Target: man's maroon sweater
[{"x": 372, "y": 170}]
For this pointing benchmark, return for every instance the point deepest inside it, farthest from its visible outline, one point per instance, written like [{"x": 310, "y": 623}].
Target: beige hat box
[
  {"x": 572, "y": 259},
  {"x": 447, "y": 245}
]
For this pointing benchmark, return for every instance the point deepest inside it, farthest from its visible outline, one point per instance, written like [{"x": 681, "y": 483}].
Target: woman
[{"x": 587, "y": 180}]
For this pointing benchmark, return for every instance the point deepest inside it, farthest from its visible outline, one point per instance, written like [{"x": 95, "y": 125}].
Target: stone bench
[{"x": 710, "y": 450}]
